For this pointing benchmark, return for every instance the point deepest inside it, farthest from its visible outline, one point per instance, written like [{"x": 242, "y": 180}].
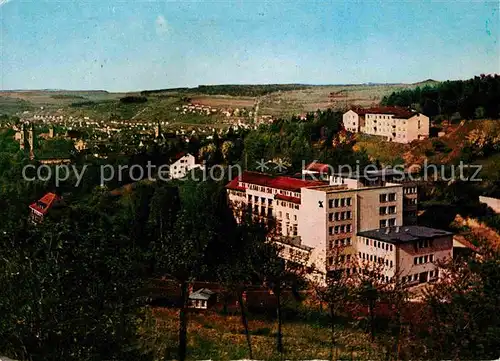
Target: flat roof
[{"x": 401, "y": 234}]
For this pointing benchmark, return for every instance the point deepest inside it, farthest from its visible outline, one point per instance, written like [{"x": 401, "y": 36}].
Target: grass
[
  {"x": 387, "y": 153},
  {"x": 218, "y": 337}
]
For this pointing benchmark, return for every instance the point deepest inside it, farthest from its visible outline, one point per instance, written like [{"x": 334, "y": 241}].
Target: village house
[
  {"x": 40, "y": 208},
  {"x": 395, "y": 124},
  {"x": 184, "y": 163}
]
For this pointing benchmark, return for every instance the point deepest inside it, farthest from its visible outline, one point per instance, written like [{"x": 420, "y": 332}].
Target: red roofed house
[
  {"x": 316, "y": 168},
  {"x": 396, "y": 124},
  {"x": 41, "y": 207}
]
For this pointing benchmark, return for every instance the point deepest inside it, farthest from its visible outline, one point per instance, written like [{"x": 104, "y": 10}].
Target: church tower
[{"x": 158, "y": 130}]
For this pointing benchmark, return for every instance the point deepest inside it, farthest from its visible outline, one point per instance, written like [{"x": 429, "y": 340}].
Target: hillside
[{"x": 277, "y": 100}]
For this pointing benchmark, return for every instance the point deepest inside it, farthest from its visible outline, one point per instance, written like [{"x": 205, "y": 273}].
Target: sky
[{"x": 131, "y": 45}]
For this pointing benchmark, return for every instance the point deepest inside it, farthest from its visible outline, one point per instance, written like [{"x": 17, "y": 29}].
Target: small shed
[{"x": 202, "y": 299}]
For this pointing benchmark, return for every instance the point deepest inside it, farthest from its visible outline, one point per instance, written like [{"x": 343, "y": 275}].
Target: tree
[
  {"x": 464, "y": 309},
  {"x": 336, "y": 292},
  {"x": 70, "y": 288}
]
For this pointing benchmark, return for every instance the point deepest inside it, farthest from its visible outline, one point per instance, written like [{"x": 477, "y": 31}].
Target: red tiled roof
[
  {"x": 462, "y": 240},
  {"x": 45, "y": 203},
  {"x": 399, "y": 112},
  {"x": 318, "y": 167},
  {"x": 278, "y": 182},
  {"x": 287, "y": 198},
  {"x": 234, "y": 184}
]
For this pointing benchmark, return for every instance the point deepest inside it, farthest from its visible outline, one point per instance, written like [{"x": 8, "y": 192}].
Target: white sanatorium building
[
  {"x": 319, "y": 219},
  {"x": 395, "y": 124}
]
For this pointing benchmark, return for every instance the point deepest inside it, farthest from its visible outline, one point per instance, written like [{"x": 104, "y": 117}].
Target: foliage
[{"x": 473, "y": 98}]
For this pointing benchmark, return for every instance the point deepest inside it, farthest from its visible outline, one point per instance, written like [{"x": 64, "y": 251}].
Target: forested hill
[{"x": 478, "y": 97}]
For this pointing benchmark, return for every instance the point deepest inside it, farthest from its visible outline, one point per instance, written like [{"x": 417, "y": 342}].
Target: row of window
[
  {"x": 387, "y": 197},
  {"x": 339, "y": 202},
  {"x": 410, "y": 190},
  {"x": 341, "y": 259},
  {"x": 340, "y": 216},
  {"x": 423, "y": 259},
  {"x": 425, "y": 243},
  {"x": 387, "y": 210},
  {"x": 373, "y": 258},
  {"x": 339, "y": 242},
  {"x": 415, "y": 277},
  {"x": 344, "y": 228},
  {"x": 378, "y": 244},
  {"x": 262, "y": 200},
  {"x": 271, "y": 190},
  {"x": 355, "y": 270},
  {"x": 390, "y": 222},
  {"x": 410, "y": 201},
  {"x": 287, "y": 215}
]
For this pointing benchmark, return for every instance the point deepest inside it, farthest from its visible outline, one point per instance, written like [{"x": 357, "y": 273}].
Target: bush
[{"x": 133, "y": 100}]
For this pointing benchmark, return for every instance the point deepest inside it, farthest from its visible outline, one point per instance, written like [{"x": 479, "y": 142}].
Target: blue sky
[{"x": 131, "y": 45}]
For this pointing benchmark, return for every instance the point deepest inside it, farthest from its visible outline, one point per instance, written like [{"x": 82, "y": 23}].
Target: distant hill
[{"x": 427, "y": 82}]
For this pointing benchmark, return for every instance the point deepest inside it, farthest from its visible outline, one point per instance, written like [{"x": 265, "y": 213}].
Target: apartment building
[
  {"x": 352, "y": 218},
  {"x": 396, "y": 124},
  {"x": 409, "y": 254},
  {"x": 367, "y": 178},
  {"x": 315, "y": 218}
]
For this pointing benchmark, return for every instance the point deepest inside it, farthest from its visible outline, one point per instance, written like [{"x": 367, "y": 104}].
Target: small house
[{"x": 202, "y": 299}]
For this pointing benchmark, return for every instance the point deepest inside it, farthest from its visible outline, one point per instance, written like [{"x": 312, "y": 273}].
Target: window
[
  {"x": 280, "y": 214},
  {"x": 330, "y": 230},
  {"x": 390, "y": 263},
  {"x": 294, "y": 217},
  {"x": 426, "y": 258},
  {"x": 348, "y": 201},
  {"x": 336, "y": 202},
  {"x": 382, "y": 223},
  {"x": 415, "y": 260},
  {"x": 391, "y": 222},
  {"x": 431, "y": 258},
  {"x": 288, "y": 216},
  {"x": 330, "y": 217},
  {"x": 330, "y": 203}
]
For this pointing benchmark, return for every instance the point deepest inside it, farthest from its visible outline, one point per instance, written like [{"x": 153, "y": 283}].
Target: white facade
[
  {"x": 396, "y": 125},
  {"x": 409, "y": 253},
  {"x": 181, "y": 167}
]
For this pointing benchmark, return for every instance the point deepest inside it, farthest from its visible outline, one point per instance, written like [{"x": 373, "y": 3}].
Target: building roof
[
  {"x": 402, "y": 234},
  {"x": 44, "y": 204},
  {"x": 460, "y": 241},
  {"x": 201, "y": 294},
  {"x": 278, "y": 182},
  {"x": 398, "y": 112},
  {"x": 317, "y": 167}
]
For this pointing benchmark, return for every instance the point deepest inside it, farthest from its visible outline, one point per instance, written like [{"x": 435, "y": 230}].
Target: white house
[
  {"x": 183, "y": 164},
  {"x": 396, "y": 124}
]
